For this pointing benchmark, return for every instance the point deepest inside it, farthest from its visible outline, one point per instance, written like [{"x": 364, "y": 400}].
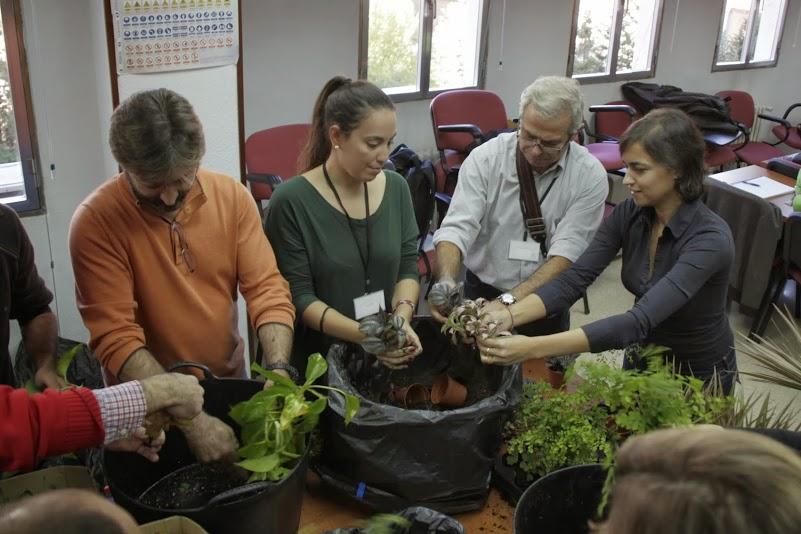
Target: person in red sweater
[{"x": 33, "y": 427}]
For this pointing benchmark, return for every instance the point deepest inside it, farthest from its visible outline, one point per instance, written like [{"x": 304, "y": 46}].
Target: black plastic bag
[
  {"x": 423, "y": 521},
  {"x": 392, "y": 458}
]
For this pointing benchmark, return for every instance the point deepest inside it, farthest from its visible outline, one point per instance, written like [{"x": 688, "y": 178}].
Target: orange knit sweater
[{"x": 134, "y": 287}]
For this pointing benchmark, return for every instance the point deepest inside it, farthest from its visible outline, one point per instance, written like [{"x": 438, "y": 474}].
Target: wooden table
[
  {"x": 325, "y": 510},
  {"x": 741, "y": 174}
]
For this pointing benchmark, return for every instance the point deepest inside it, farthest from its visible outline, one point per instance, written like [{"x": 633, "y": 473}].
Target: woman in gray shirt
[{"x": 676, "y": 260}]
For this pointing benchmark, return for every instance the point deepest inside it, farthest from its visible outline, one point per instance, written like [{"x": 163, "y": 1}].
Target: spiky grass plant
[{"x": 779, "y": 357}]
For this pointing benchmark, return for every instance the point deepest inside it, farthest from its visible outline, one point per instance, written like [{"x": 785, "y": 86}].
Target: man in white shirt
[{"x": 484, "y": 227}]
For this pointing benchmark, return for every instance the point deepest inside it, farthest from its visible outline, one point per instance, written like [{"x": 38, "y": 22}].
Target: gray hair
[
  {"x": 555, "y": 96},
  {"x": 154, "y": 133}
]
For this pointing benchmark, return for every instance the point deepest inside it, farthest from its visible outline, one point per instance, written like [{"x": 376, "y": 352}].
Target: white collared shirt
[{"x": 485, "y": 215}]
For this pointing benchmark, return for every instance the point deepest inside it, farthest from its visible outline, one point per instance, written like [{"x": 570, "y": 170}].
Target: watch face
[{"x": 507, "y": 299}]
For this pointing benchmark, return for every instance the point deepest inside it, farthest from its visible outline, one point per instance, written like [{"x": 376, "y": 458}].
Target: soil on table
[
  {"x": 193, "y": 486},
  {"x": 375, "y": 381}
]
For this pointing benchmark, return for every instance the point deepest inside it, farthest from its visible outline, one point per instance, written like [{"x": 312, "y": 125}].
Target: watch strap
[{"x": 289, "y": 368}]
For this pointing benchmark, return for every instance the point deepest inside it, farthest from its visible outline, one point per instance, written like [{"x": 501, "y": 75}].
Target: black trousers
[{"x": 474, "y": 288}]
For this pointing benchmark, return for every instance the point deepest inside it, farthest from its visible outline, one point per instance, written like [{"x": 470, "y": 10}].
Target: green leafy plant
[
  {"x": 275, "y": 422},
  {"x": 588, "y": 421},
  {"x": 643, "y": 401},
  {"x": 552, "y": 428}
]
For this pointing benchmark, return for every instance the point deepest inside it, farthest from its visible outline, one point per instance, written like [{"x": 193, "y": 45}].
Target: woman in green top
[{"x": 345, "y": 228}]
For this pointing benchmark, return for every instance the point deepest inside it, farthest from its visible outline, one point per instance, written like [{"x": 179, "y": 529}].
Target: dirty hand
[
  {"x": 179, "y": 395},
  {"x": 508, "y": 350},
  {"x": 47, "y": 377},
  {"x": 400, "y": 358},
  {"x": 140, "y": 443},
  {"x": 498, "y": 313},
  {"x": 438, "y": 314},
  {"x": 210, "y": 439}
]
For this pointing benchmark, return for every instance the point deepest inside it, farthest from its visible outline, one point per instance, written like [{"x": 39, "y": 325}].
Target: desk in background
[{"x": 742, "y": 174}]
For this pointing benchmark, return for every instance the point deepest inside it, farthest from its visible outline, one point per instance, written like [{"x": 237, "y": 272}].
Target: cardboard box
[
  {"x": 65, "y": 476},
  {"x": 173, "y": 525}
]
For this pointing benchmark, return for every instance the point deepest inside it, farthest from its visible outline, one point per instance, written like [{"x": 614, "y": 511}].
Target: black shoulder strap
[{"x": 529, "y": 202}]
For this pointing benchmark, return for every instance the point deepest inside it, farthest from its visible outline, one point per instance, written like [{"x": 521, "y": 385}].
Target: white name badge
[
  {"x": 524, "y": 250},
  {"x": 368, "y": 304}
]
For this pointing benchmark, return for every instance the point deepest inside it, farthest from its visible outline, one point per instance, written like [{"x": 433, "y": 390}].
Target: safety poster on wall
[{"x": 167, "y": 35}]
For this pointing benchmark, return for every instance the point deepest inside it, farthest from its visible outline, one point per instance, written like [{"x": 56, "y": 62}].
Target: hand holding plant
[
  {"x": 444, "y": 296},
  {"x": 391, "y": 338},
  {"x": 469, "y": 321},
  {"x": 276, "y": 422}
]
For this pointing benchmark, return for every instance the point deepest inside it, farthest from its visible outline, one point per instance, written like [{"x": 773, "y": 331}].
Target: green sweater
[{"x": 318, "y": 255}]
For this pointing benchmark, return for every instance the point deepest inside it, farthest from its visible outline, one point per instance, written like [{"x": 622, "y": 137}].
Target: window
[
  {"x": 750, "y": 31},
  {"x": 18, "y": 184},
  {"x": 614, "y": 39},
  {"x": 414, "y": 49}
]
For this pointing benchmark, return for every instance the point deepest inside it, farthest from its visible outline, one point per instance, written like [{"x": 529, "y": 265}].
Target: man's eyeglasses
[
  {"x": 183, "y": 246},
  {"x": 550, "y": 147}
]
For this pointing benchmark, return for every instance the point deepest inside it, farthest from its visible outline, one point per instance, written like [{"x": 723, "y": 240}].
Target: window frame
[
  {"x": 23, "y": 109},
  {"x": 750, "y": 34},
  {"x": 613, "y": 76},
  {"x": 424, "y": 64}
]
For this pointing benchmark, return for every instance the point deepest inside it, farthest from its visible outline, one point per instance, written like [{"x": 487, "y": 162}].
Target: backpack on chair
[{"x": 419, "y": 176}]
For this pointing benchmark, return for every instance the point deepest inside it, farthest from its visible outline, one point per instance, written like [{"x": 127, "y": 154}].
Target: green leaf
[
  {"x": 351, "y": 407},
  {"x": 315, "y": 368},
  {"x": 265, "y": 464},
  {"x": 294, "y": 407},
  {"x": 253, "y": 450},
  {"x": 271, "y": 375},
  {"x": 318, "y": 406},
  {"x": 65, "y": 360},
  {"x": 31, "y": 386}
]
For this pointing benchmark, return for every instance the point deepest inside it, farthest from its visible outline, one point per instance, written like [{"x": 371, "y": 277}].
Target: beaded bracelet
[{"x": 407, "y": 302}]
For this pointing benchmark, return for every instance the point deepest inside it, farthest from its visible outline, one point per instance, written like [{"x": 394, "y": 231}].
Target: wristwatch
[
  {"x": 507, "y": 299},
  {"x": 290, "y": 369}
]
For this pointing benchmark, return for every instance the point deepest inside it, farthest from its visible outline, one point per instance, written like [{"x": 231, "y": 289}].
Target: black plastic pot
[
  {"x": 563, "y": 501},
  {"x": 260, "y": 507}
]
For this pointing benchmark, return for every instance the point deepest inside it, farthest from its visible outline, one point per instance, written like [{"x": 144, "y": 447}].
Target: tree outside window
[
  {"x": 749, "y": 36},
  {"x": 614, "y": 39},
  {"x": 18, "y": 184},
  {"x": 414, "y": 49}
]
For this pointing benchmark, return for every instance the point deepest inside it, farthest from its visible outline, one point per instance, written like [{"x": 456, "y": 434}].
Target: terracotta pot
[
  {"x": 413, "y": 395},
  {"x": 556, "y": 379},
  {"x": 448, "y": 392}
]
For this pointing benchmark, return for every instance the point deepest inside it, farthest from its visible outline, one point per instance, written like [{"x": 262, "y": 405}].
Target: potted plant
[
  {"x": 276, "y": 422},
  {"x": 612, "y": 404},
  {"x": 264, "y": 491}
]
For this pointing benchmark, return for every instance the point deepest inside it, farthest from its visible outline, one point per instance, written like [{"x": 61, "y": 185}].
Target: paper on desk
[{"x": 764, "y": 187}]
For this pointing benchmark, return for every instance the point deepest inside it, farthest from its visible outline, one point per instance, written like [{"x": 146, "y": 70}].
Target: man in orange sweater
[{"x": 159, "y": 252}]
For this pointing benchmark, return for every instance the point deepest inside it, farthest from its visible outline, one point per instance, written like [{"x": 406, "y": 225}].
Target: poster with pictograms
[{"x": 167, "y": 35}]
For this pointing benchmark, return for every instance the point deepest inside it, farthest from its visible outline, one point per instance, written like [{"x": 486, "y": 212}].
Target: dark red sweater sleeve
[{"x": 33, "y": 427}]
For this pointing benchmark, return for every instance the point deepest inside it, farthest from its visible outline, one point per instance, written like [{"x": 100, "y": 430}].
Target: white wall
[
  {"x": 290, "y": 51},
  {"x": 71, "y": 94}
]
